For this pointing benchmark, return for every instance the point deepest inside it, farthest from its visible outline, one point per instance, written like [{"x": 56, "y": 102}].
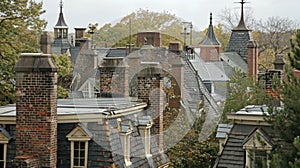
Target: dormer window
[
  {"x": 4, "y": 139},
  {"x": 79, "y": 137},
  {"x": 145, "y": 124},
  {"x": 258, "y": 146}
]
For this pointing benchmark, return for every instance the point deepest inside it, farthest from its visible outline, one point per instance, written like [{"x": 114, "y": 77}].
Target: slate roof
[
  {"x": 233, "y": 154},
  {"x": 223, "y": 130},
  {"x": 115, "y": 52},
  {"x": 210, "y": 71},
  {"x": 61, "y": 23},
  {"x": 234, "y": 60},
  {"x": 210, "y": 37}
]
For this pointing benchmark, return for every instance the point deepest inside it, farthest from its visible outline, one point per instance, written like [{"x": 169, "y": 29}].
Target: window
[
  {"x": 79, "y": 137},
  {"x": 257, "y": 145},
  {"x": 79, "y": 154},
  {"x": 259, "y": 159},
  {"x": 2, "y": 155},
  {"x": 4, "y": 139}
]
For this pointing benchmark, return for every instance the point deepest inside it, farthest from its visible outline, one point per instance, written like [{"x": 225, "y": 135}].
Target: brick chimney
[
  {"x": 80, "y": 39},
  {"x": 174, "y": 47},
  {"x": 252, "y": 58},
  {"x": 150, "y": 86},
  {"x": 149, "y": 38},
  {"x": 279, "y": 62},
  {"x": 36, "y": 105},
  {"x": 113, "y": 77},
  {"x": 45, "y": 43}
]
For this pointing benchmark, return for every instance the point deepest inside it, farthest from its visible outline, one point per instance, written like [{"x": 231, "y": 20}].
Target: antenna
[{"x": 130, "y": 35}]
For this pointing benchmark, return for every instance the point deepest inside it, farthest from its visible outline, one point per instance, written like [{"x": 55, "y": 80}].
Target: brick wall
[
  {"x": 113, "y": 78},
  {"x": 150, "y": 38},
  {"x": 45, "y": 43},
  {"x": 210, "y": 53},
  {"x": 36, "y": 118},
  {"x": 252, "y": 59},
  {"x": 150, "y": 90}
]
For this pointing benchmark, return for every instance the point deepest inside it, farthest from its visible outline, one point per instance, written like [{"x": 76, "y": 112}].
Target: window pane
[
  {"x": 76, "y": 162},
  {"x": 76, "y": 153},
  {"x": 81, "y": 162},
  {"x": 1, "y": 151},
  {"x": 82, "y": 145},
  {"x": 76, "y": 145},
  {"x": 82, "y": 154}
]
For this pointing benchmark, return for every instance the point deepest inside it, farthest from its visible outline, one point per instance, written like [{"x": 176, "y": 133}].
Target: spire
[
  {"x": 210, "y": 23},
  {"x": 210, "y": 37},
  {"x": 61, "y": 21},
  {"x": 61, "y": 6},
  {"x": 242, "y": 25}
]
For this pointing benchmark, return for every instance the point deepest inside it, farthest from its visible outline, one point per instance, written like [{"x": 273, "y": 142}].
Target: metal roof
[{"x": 105, "y": 106}]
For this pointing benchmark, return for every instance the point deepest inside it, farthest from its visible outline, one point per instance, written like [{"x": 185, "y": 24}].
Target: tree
[
  {"x": 230, "y": 18},
  {"x": 242, "y": 91},
  {"x": 189, "y": 151},
  {"x": 64, "y": 75},
  {"x": 273, "y": 36},
  {"x": 117, "y": 35},
  {"x": 286, "y": 121},
  {"x": 20, "y": 25},
  {"x": 294, "y": 55}
]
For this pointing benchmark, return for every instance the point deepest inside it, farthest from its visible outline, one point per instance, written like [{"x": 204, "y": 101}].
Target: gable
[
  {"x": 4, "y": 136},
  {"x": 79, "y": 134},
  {"x": 259, "y": 140}
]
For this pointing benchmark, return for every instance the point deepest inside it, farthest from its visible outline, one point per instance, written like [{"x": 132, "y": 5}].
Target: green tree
[
  {"x": 286, "y": 121},
  {"x": 242, "y": 91},
  {"x": 64, "y": 75},
  {"x": 117, "y": 34},
  {"x": 190, "y": 151},
  {"x": 294, "y": 55},
  {"x": 20, "y": 25}
]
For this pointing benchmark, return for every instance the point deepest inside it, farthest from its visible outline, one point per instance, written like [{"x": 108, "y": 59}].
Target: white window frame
[
  {"x": 4, "y": 140},
  {"x": 73, "y": 152},
  {"x": 256, "y": 143}
]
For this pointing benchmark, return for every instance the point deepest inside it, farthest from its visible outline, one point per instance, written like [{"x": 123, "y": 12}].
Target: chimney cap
[{"x": 36, "y": 62}]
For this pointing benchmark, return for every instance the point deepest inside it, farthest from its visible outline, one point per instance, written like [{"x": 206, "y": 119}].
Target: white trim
[
  {"x": 85, "y": 154},
  {"x": 125, "y": 140}
]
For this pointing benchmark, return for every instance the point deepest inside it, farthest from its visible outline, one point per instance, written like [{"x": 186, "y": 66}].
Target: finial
[
  {"x": 210, "y": 18},
  {"x": 242, "y": 22},
  {"x": 61, "y": 5}
]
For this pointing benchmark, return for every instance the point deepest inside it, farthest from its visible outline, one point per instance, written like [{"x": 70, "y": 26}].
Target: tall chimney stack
[{"x": 36, "y": 118}]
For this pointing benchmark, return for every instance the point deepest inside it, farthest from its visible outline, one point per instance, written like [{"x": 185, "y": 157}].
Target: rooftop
[{"x": 70, "y": 110}]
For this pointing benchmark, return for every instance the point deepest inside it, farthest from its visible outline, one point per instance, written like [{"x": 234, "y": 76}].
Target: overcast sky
[{"x": 79, "y": 13}]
